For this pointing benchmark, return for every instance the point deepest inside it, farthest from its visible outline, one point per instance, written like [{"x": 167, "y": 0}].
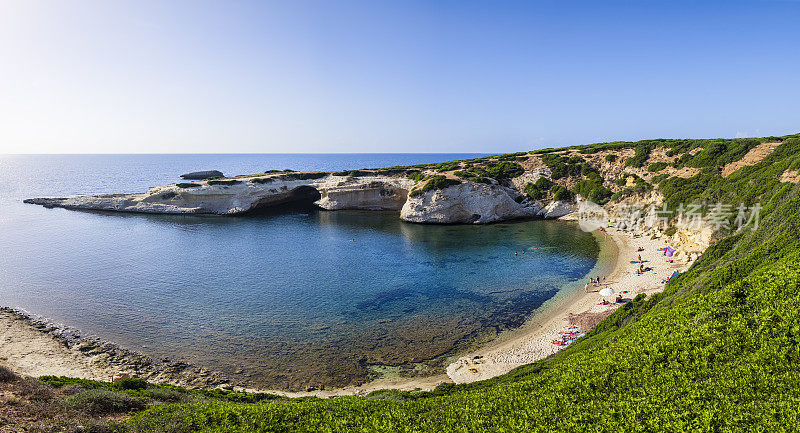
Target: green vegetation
[
  {"x": 307, "y": 176},
  {"x": 434, "y": 183},
  {"x": 538, "y": 190},
  {"x": 717, "y": 351},
  {"x": 279, "y": 171},
  {"x": 533, "y": 192},
  {"x": 561, "y": 193},
  {"x": 503, "y": 170},
  {"x": 519, "y": 156},
  {"x": 448, "y": 166},
  {"x": 659, "y": 178},
  {"x": 352, "y": 173},
  {"x": 188, "y": 185},
  {"x": 657, "y": 166},
  {"x": 224, "y": 182},
  {"x": 611, "y": 157},
  {"x": 417, "y": 176},
  {"x": 262, "y": 180},
  {"x": 562, "y": 166}
]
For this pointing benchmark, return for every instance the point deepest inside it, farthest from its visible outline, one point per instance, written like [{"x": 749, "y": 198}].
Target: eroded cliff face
[
  {"x": 241, "y": 195},
  {"x": 470, "y": 203}
]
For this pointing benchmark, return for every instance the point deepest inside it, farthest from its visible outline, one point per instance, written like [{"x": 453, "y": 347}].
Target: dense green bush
[
  {"x": 659, "y": 178},
  {"x": 543, "y": 183},
  {"x": 519, "y": 156},
  {"x": 643, "y": 150},
  {"x": 352, "y": 173},
  {"x": 504, "y": 170},
  {"x": 657, "y": 166},
  {"x": 262, "y": 180},
  {"x": 417, "y": 176},
  {"x": 188, "y": 185},
  {"x": 592, "y": 191},
  {"x": 224, "y": 182},
  {"x": 104, "y": 402},
  {"x": 611, "y": 157},
  {"x": 561, "y": 193},
  {"x": 448, "y": 166},
  {"x": 533, "y": 191},
  {"x": 434, "y": 183},
  {"x": 562, "y": 166},
  {"x": 307, "y": 176}
]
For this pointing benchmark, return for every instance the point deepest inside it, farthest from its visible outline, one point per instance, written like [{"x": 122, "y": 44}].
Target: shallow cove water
[{"x": 287, "y": 299}]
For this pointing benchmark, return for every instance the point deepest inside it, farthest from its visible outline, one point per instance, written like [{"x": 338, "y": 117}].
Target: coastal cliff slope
[{"x": 717, "y": 350}]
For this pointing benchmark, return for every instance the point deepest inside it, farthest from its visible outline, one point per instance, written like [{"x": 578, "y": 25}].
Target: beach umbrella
[
  {"x": 607, "y": 292},
  {"x": 670, "y": 251}
]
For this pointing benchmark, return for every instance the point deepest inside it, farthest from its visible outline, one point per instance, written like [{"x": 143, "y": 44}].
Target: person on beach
[{"x": 586, "y": 288}]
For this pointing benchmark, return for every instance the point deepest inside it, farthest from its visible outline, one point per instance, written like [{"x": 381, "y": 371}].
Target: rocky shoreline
[{"x": 90, "y": 357}]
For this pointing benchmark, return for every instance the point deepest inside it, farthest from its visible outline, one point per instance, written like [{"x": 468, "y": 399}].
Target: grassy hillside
[{"x": 718, "y": 350}]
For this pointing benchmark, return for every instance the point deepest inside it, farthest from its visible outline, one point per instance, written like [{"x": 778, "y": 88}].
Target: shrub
[
  {"x": 130, "y": 383},
  {"x": 481, "y": 179},
  {"x": 562, "y": 166},
  {"x": 592, "y": 191},
  {"x": 7, "y": 375},
  {"x": 167, "y": 395},
  {"x": 104, "y": 402},
  {"x": 657, "y": 166},
  {"x": 611, "y": 157},
  {"x": 532, "y": 191},
  {"x": 434, "y": 183},
  {"x": 262, "y": 180},
  {"x": 224, "y": 182},
  {"x": 464, "y": 174},
  {"x": 417, "y": 176},
  {"x": 307, "y": 176},
  {"x": 560, "y": 193},
  {"x": 643, "y": 149},
  {"x": 34, "y": 389},
  {"x": 352, "y": 173},
  {"x": 188, "y": 185},
  {"x": 659, "y": 178},
  {"x": 543, "y": 183},
  {"x": 504, "y": 170},
  {"x": 448, "y": 166}
]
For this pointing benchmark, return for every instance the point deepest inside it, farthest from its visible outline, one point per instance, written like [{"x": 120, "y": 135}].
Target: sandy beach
[
  {"x": 32, "y": 349},
  {"x": 575, "y": 307}
]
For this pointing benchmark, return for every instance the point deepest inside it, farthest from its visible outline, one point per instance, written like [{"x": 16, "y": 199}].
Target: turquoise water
[{"x": 290, "y": 299}]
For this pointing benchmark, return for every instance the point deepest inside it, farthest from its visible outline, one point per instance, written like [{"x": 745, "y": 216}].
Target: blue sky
[{"x": 380, "y": 76}]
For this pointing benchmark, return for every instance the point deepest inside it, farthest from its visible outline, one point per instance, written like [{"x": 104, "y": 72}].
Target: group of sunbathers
[{"x": 571, "y": 334}]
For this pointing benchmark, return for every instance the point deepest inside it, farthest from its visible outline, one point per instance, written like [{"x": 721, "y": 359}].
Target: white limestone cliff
[{"x": 472, "y": 203}]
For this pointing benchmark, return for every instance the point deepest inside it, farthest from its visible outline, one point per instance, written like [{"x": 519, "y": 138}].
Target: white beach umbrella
[{"x": 607, "y": 292}]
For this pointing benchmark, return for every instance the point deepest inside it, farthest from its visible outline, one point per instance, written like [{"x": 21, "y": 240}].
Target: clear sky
[{"x": 380, "y": 76}]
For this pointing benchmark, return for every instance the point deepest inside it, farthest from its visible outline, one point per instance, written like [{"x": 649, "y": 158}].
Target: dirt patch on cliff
[
  {"x": 754, "y": 156},
  {"x": 792, "y": 176},
  {"x": 686, "y": 172},
  {"x": 587, "y": 319}
]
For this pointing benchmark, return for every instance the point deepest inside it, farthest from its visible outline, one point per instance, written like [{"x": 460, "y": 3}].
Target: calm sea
[{"x": 287, "y": 300}]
